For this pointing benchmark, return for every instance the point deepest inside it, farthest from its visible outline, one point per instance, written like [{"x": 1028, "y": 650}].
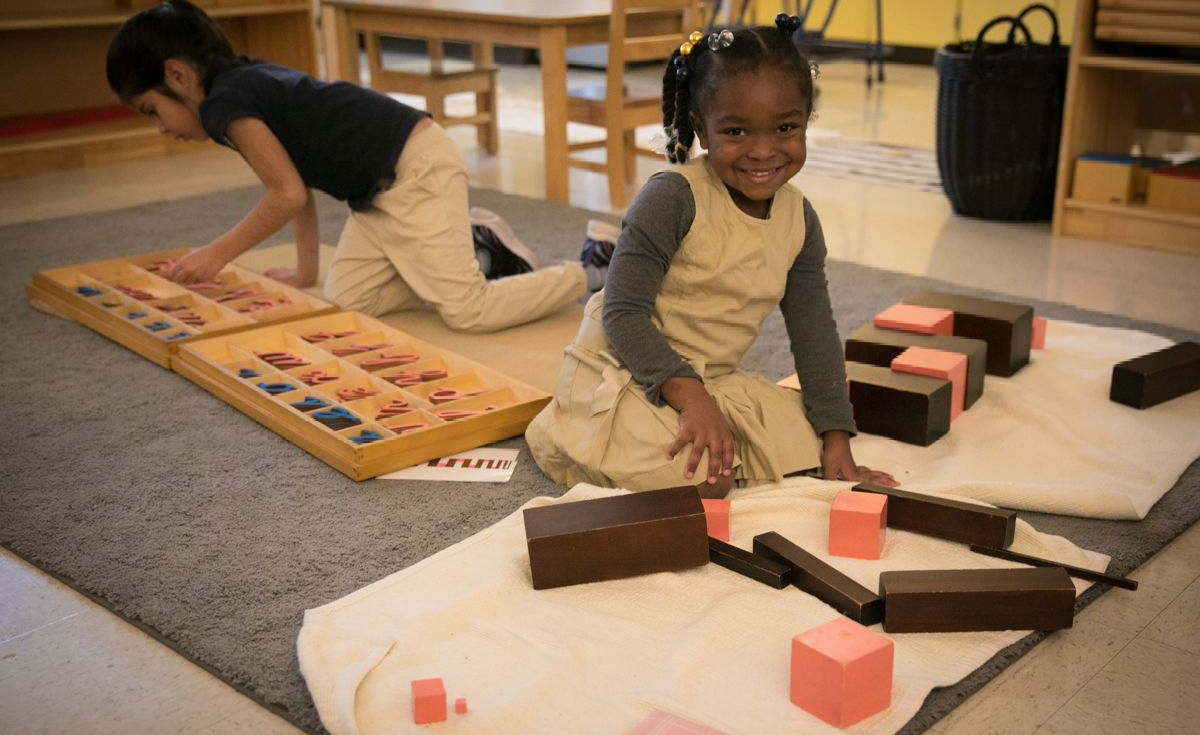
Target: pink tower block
[
  {"x": 842, "y": 672},
  {"x": 950, "y": 366},
  {"x": 1037, "y": 340},
  {"x": 919, "y": 319},
  {"x": 716, "y": 516},
  {"x": 858, "y": 525},
  {"x": 428, "y": 701},
  {"x": 460, "y": 706}
]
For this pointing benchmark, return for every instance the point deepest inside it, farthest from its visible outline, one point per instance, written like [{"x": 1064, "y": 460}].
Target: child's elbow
[{"x": 293, "y": 198}]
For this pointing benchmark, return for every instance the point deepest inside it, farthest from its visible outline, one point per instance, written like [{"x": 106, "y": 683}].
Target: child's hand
[
  {"x": 290, "y": 276},
  {"x": 199, "y": 266},
  {"x": 702, "y": 425},
  {"x": 837, "y": 463}
]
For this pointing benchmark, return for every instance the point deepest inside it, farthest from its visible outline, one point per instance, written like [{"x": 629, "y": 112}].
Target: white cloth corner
[
  {"x": 595, "y": 659},
  {"x": 1048, "y": 439}
]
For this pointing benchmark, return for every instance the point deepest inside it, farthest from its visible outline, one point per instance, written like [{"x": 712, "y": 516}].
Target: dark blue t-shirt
[{"x": 343, "y": 139}]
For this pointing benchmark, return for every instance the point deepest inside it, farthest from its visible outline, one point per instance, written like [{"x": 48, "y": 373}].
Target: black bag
[{"x": 999, "y": 120}]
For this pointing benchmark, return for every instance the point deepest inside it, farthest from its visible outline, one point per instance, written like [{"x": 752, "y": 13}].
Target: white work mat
[
  {"x": 707, "y": 644},
  {"x": 1048, "y": 439}
]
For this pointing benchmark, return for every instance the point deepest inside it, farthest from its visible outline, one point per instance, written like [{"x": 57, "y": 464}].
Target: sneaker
[
  {"x": 599, "y": 244},
  {"x": 509, "y": 256}
]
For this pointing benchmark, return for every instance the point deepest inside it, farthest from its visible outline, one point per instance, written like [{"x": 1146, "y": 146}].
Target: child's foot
[
  {"x": 597, "y": 252},
  {"x": 503, "y": 253}
]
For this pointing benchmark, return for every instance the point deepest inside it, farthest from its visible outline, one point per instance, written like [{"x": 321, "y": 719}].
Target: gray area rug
[{"x": 214, "y": 534}]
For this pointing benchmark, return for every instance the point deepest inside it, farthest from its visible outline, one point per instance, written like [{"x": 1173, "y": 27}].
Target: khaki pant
[{"x": 414, "y": 247}]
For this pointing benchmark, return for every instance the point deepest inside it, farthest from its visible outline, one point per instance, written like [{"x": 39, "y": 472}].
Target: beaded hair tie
[{"x": 788, "y": 24}]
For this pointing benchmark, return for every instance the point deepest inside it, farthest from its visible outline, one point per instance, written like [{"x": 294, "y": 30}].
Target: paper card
[
  {"x": 473, "y": 465},
  {"x": 665, "y": 723}
]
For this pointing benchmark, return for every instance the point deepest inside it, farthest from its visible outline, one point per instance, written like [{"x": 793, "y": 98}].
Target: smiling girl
[{"x": 650, "y": 394}]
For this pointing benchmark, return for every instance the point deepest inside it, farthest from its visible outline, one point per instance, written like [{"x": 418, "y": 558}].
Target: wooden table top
[{"x": 523, "y": 12}]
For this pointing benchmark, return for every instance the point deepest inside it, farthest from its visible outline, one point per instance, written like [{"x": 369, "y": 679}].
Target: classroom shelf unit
[
  {"x": 1109, "y": 97},
  {"x": 52, "y": 82}
]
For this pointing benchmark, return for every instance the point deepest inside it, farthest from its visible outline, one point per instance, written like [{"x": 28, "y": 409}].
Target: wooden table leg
[
  {"x": 341, "y": 45},
  {"x": 488, "y": 134},
  {"x": 553, "y": 52}
]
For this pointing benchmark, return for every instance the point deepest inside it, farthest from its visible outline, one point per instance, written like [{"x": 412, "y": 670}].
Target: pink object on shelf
[
  {"x": 842, "y": 672},
  {"x": 858, "y": 525},
  {"x": 919, "y": 319},
  {"x": 460, "y": 706},
  {"x": 950, "y": 366},
  {"x": 1037, "y": 340},
  {"x": 665, "y": 723},
  {"x": 428, "y": 701},
  {"x": 716, "y": 516}
]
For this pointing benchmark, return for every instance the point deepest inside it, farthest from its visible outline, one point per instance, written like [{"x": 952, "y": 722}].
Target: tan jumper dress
[{"x": 729, "y": 273}]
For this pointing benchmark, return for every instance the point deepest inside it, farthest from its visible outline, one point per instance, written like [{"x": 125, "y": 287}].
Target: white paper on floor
[{"x": 474, "y": 465}]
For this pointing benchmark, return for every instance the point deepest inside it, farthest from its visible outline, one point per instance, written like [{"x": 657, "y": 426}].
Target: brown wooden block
[
  {"x": 874, "y": 346},
  {"x": 1157, "y": 377},
  {"x": 616, "y": 537},
  {"x": 1077, "y": 572},
  {"x": 953, "y": 600},
  {"x": 948, "y": 519},
  {"x": 822, "y": 581},
  {"x": 1006, "y": 327},
  {"x": 749, "y": 564},
  {"x": 909, "y": 408}
]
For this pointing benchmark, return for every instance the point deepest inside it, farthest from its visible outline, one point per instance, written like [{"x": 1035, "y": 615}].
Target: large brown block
[
  {"x": 1157, "y": 377},
  {"x": 874, "y": 346},
  {"x": 616, "y": 537},
  {"x": 948, "y": 519},
  {"x": 821, "y": 580},
  {"x": 953, "y": 600},
  {"x": 755, "y": 566},
  {"x": 909, "y": 408},
  {"x": 1007, "y": 328}
]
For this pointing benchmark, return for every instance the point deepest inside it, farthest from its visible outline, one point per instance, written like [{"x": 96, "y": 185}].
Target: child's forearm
[
  {"x": 273, "y": 211},
  {"x": 308, "y": 241}
]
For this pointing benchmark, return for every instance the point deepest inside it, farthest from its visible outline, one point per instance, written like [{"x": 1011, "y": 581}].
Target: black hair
[
  {"x": 694, "y": 77},
  {"x": 174, "y": 30}
]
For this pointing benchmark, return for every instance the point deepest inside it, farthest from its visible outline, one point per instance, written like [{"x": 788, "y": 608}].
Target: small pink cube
[
  {"x": 950, "y": 366},
  {"x": 1038, "y": 338},
  {"x": 858, "y": 525},
  {"x": 716, "y": 516},
  {"x": 919, "y": 319},
  {"x": 460, "y": 706},
  {"x": 428, "y": 701},
  {"x": 842, "y": 672}
]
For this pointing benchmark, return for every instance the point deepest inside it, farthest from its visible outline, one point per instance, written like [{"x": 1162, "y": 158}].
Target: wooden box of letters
[
  {"x": 361, "y": 396},
  {"x": 126, "y": 300}
]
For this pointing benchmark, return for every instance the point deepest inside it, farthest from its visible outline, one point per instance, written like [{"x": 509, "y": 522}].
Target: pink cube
[
  {"x": 716, "y": 516},
  {"x": 842, "y": 672},
  {"x": 919, "y": 319},
  {"x": 665, "y": 723},
  {"x": 950, "y": 366},
  {"x": 858, "y": 525},
  {"x": 1038, "y": 338},
  {"x": 791, "y": 382},
  {"x": 428, "y": 701},
  {"x": 460, "y": 706}
]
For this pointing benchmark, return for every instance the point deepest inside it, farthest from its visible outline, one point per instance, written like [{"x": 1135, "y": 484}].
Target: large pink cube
[
  {"x": 842, "y": 672},
  {"x": 716, "y": 516},
  {"x": 1037, "y": 339},
  {"x": 428, "y": 701},
  {"x": 919, "y": 319},
  {"x": 858, "y": 525},
  {"x": 950, "y": 366}
]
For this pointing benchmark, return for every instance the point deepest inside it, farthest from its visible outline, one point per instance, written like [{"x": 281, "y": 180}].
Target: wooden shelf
[
  {"x": 1109, "y": 98},
  {"x": 53, "y": 61}
]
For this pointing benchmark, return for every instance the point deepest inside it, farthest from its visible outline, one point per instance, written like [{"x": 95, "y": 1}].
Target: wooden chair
[
  {"x": 618, "y": 109},
  {"x": 438, "y": 83}
]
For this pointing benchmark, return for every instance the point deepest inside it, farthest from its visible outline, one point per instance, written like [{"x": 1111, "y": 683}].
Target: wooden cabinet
[
  {"x": 52, "y": 77},
  {"x": 1111, "y": 96}
]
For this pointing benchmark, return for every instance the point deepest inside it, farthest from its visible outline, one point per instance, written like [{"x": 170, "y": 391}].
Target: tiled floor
[{"x": 1130, "y": 665}]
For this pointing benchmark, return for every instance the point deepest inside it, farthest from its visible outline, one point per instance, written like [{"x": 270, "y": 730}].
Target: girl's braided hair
[
  {"x": 176, "y": 29},
  {"x": 694, "y": 76}
]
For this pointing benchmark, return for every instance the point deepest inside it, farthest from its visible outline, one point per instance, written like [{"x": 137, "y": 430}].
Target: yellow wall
[{"x": 925, "y": 23}]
